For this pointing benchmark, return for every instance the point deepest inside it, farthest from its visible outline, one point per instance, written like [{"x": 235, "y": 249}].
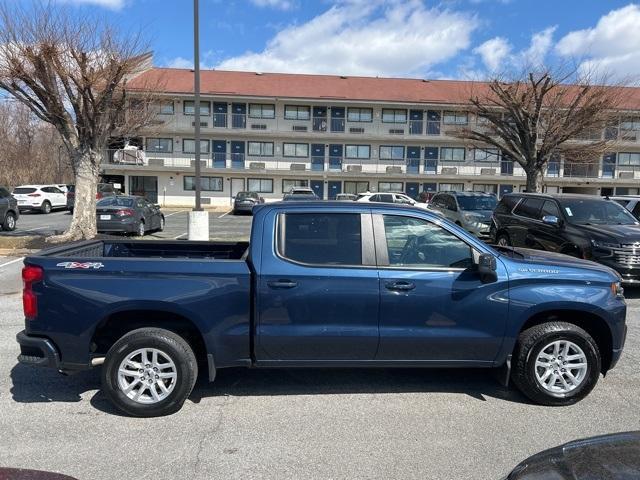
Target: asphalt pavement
[{"x": 296, "y": 423}]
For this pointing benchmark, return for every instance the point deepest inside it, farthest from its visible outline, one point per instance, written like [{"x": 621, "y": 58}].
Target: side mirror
[
  {"x": 551, "y": 220},
  {"x": 487, "y": 267}
]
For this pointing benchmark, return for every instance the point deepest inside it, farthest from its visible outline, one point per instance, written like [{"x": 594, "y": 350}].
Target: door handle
[
  {"x": 401, "y": 286},
  {"x": 282, "y": 284}
]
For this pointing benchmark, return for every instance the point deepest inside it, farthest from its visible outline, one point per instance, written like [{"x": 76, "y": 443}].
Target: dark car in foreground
[
  {"x": 582, "y": 226},
  {"x": 321, "y": 284},
  {"x": 245, "y": 201},
  {"x": 9, "y": 211},
  {"x": 606, "y": 457},
  {"x": 128, "y": 214}
]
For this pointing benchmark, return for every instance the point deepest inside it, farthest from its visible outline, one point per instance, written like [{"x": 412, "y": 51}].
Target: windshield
[
  {"x": 116, "y": 202},
  {"x": 596, "y": 212},
  {"x": 477, "y": 202}
]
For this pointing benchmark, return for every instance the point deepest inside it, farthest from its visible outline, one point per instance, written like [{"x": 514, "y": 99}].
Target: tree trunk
[
  {"x": 534, "y": 180},
  {"x": 83, "y": 224}
]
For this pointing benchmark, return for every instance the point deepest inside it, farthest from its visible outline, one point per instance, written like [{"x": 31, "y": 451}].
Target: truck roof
[{"x": 337, "y": 204}]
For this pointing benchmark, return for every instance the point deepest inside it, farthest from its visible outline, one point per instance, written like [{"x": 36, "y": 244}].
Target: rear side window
[
  {"x": 506, "y": 204},
  {"x": 321, "y": 238},
  {"x": 636, "y": 210},
  {"x": 529, "y": 208},
  {"x": 23, "y": 191},
  {"x": 550, "y": 208}
]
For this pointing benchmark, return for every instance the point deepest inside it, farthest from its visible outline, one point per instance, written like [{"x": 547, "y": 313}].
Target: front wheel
[
  {"x": 149, "y": 372},
  {"x": 556, "y": 363},
  {"x": 503, "y": 240},
  {"x": 46, "y": 207},
  {"x": 161, "y": 227},
  {"x": 9, "y": 222}
]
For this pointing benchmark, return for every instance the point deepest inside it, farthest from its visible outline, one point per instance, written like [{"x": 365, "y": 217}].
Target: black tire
[
  {"x": 162, "y": 223},
  {"x": 170, "y": 344},
  {"x": 505, "y": 238},
  {"x": 46, "y": 207},
  {"x": 9, "y": 223},
  {"x": 140, "y": 231},
  {"x": 530, "y": 344}
]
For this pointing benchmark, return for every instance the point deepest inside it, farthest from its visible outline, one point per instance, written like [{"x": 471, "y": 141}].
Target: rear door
[
  {"x": 523, "y": 221},
  {"x": 317, "y": 290}
]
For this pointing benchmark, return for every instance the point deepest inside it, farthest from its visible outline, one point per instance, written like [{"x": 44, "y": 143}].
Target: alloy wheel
[
  {"x": 147, "y": 375},
  {"x": 561, "y": 366}
]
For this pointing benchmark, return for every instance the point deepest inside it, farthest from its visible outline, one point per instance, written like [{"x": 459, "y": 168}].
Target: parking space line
[
  {"x": 36, "y": 228},
  {"x": 180, "y": 236},
  {"x": 12, "y": 261},
  {"x": 174, "y": 213},
  {"x": 226, "y": 213}
]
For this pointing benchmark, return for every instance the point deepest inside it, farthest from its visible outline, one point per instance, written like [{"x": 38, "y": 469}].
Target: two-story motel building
[{"x": 267, "y": 132}]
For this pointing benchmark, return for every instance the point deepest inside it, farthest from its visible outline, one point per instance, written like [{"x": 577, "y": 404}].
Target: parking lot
[{"x": 297, "y": 423}]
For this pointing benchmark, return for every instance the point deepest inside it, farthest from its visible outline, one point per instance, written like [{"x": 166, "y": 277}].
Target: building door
[
  {"x": 433, "y": 122},
  {"x": 319, "y": 119},
  {"x": 553, "y": 167},
  {"x": 144, "y": 186},
  {"x": 431, "y": 160},
  {"x": 413, "y": 159},
  {"x": 237, "y": 186},
  {"x": 219, "y": 115},
  {"x": 504, "y": 189},
  {"x": 415, "y": 122},
  {"x": 337, "y": 119},
  {"x": 335, "y": 157},
  {"x": 609, "y": 165},
  {"x": 335, "y": 188},
  {"x": 318, "y": 187},
  {"x": 219, "y": 154},
  {"x": 237, "y": 155},
  {"x": 239, "y": 115},
  {"x": 412, "y": 189},
  {"x": 317, "y": 157},
  {"x": 506, "y": 165}
]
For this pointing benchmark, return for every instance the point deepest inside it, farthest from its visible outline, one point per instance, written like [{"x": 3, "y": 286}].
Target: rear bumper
[
  {"x": 37, "y": 351},
  {"x": 126, "y": 225},
  {"x": 243, "y": 208}
]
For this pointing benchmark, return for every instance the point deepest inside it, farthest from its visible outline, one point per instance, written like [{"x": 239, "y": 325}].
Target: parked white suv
[{"x": 39, "y": 197}]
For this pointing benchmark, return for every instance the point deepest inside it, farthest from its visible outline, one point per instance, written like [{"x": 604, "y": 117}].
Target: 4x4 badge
[{"x": 82, "y": 265}]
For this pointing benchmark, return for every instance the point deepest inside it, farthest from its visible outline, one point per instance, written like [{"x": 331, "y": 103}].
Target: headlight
[
  {"x": 470, "y": 217},
  {"x": 605, "y": 245},
  {"x": 617, "y": 290}
]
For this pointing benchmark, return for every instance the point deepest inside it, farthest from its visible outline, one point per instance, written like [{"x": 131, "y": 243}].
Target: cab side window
[
  {"x": 549, "y": 208},
  {"x": 417, "y": 243}
]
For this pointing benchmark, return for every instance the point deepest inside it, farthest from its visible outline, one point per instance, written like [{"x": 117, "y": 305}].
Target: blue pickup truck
[{"x": 320, "y": 285}]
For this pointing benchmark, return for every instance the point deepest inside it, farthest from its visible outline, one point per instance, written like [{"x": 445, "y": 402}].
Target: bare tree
[
  {"x": 72, "y": 72},
  {"x": 543, "y": 114}
]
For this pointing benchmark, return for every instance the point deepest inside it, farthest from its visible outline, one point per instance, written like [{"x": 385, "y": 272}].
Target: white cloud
[
  {"x": 113, "y": 4},
  {"x": 493, "y": 52},
  {"x": 613, "y": 45},
  {"x": 364, "y": 37},
  {"x": 279, "y": 4},
  {"x": 541, "y": 43}
]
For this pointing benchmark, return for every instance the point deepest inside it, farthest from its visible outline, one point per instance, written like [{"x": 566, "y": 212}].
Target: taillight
[
  {"x": 99, "y": 196},
  {"x": 125, "y": 212},
  {"x": 30, "y": 275},
  {"x": 33, "y": 195}
]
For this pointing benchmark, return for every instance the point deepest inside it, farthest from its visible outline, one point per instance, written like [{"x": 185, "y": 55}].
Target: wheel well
[
  {"x": 594, "y": 325},
  {"x": 570, "y": 248},
  {"x": 115, "y": 326}
]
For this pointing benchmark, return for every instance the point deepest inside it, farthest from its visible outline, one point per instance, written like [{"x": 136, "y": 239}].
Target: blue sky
[{"x": 415, "y": 38}]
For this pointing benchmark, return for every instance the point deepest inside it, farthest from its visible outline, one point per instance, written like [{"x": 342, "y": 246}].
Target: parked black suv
[
  {"x": 9, "y": 212},
  {"x": 583, "y": 226}
]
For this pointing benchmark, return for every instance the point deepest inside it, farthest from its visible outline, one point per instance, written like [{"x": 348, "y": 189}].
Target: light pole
[{"x": 198, "y": 219}]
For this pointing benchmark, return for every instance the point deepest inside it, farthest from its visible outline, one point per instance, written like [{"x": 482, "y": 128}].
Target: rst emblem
[{"x": 81, "y": 265}]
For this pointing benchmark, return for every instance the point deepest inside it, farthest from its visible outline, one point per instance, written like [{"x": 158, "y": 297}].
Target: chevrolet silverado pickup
[{"x": 320, "y": 284}]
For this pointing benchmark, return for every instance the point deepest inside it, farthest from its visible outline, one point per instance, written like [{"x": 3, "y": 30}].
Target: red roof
[{"x": 321, "y": 87}]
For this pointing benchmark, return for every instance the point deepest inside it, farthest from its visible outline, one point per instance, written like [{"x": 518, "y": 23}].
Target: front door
[
  {"x": 237, "y": 186},
  {"x": 428, "y": 289},
  {"x": 337, "y": 119},
  {"x": 239, "y": 115},
  {"x": 431, "y": 160},
  {"x": 609, "y": 165},
  {"x": 335, "y": 157},
  {"x": 413, "y": 159},
  {"x": 317, "y": 156},
  {"x": 415, "y": 122},
  {"x": 307, "y": 282},
  {"x": 237, "y": 155},
  {"x": 412, "y": 189},
  {"x": 318, "y": 187},
  {"x": 219, "y": 154},
  {"x": 219, "y": 114},
  {"x": 504, "y": 189},
  {"x": 319, "y": 119},
  {"x": 506, "y": 165},
  {"x": 334, "y": 189}
]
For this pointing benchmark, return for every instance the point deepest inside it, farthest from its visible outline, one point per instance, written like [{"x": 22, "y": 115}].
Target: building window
[
  {"x": 260, "y": 110},
  {"x": 189, "y": 108},
  {"x": 390, "y": 186},
  {"x": 630, "y": 129},
  {"x": 485, "y": 187},
  {"x": 159, "y": 145},
  {"x": 453, "y": 154},
  {"x": 391, "y": 115},
  {"x": 451, "y": 187},
  {"x": 288, "y": 184},
  {"x": 628, "y": 159},
  {"x": 391, "y": 152},
  {"x": 358, "y": 151},
  {"x": 355, "y": 187},
  {"x": 485, "y": 155},
  {"x": 455, "y": 118},
  {"x": 260, "y": 185},
  {"x": 297, "y": 112},
  {"x": 166, "y": 107},
  {"x": 360, "y": 114},
  {"x": 298, "y": 150},
  {"x": 207, "y": 184},
  {"x": 627, "y": 191},
  {"x": 261, "y": 149},
  {"x": 189, "y": 146}
]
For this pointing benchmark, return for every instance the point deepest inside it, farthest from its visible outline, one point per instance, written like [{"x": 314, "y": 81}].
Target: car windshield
[
  {"x": 23, "y": 190},
  {"x": 479, "y": 202},
  {"x": 116, "y": 202},
  {"x": 243, "y": 195},
  {"x": 596, "y": 212}
]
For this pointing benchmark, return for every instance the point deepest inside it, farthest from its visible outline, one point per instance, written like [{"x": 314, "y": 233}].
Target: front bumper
[{"x": 37, "y": 351}]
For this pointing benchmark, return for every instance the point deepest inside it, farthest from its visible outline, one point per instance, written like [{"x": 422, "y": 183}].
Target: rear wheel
[
  {"x": 141, "y": 229},
  {"x": 9, "y": 223},
  {"x": 503, "y": 240},
  {"x": 149, "y": 372},
  {"x": 46, "y": 207},
  {"x": 556, "y": 363}
]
